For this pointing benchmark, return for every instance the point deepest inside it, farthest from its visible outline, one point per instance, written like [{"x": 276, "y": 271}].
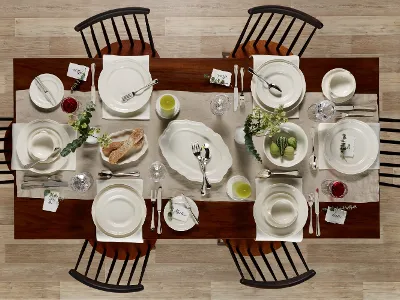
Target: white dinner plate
[
  {"x": 284, "y": 74},
  {"x": 118, "y": 210},
  {"x": 61, "y": 139},
  {"x": 176, "y": 146},
  {"x": 120, "y": 78},
  {"x": 366, "y": 146},
  {"x": 326, "y": 89},
  {"x": 176, "y": 224},
  {"x": 261, "y": 206},
  {"x": 55, "y": 87}
]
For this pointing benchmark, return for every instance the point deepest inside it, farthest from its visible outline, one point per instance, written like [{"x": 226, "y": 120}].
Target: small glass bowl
[{"x": 220, "y": 104}]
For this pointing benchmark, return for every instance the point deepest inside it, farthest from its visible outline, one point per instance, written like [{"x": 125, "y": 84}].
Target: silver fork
[
  {"x": 196, "y": 149},
  {"x": 241, "y": 96},
  {"x": 310, "y": 204},
  {"x": 153, "y": 194},
  {"x": 129, "y": 96}
]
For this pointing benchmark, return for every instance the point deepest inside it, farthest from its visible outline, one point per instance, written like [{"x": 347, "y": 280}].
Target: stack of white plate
[
  {"x": 280, "y": 210},
  {"x": 118, "y": 211},
  {"x": 120, "y": 78},
  {"x": 287, "y": 76}
]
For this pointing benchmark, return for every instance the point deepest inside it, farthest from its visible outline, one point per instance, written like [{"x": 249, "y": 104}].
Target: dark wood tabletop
[{"x": 217, "y": 219}]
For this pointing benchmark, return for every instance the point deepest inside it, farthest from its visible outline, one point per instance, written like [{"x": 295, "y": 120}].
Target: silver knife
[
  {"x": 355, "y": 107},
  {"x": 236, "y": 90},
  {"x": 318, "y": 232},
  {"x": 159, "y": 204},
  {"x": 27, "y": 186},
  {"x": 47, "y": 94},
  {"x": 190, "y": 209},
  {"x": 29, "y": 178}
]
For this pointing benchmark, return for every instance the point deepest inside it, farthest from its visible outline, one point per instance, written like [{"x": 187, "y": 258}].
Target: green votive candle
[{"x": 167, "y": 106}]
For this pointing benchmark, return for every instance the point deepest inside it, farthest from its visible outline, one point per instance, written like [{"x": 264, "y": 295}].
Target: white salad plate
[
  {"x": 118, "y": 210},
  {"x": 55, "y": 87},
  {"x": 261, "y": 210},
  {"x": 132, "y": 155},
  {"x": 60, "y": 139},
  {"x": 178, "y": 225},
  {"x": 120, "y": 78},
  {"x": 284, "y": 74},
  {"x": 176, "y": 146},
  {"x": 366, "y": 146},
  {"x": 288, "y": 129},
  {"x": 326, "y": 88}
]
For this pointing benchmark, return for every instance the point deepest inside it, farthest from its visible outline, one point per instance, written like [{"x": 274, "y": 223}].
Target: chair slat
[
  {"x": 150, "y": 35},
  {"x": 252, "y": 31},
  {"x": 285, "y": 34},
  {"x": 146, "y": 259},
  {"x": 391, "y": 165},
  {"x": 134, "y": 267},
  {"x": 289, "y": 258},
  {"x": 139, "y": 31},
  {"x": 103, "y": 28},
  {"x": 81, "y": 254},
  {"x": 241, "y": 36},
  {"x": 274, "y": 31},
  {"x": 390, "y": 142},
  {"x": 388, "y": 175},
  {"x": 267, "y": 263},
  {"x": 382, "y": 152},
  {"x": 296, "y": 38},
  {"x": 307, "y": 42},
  {"x": 5, "y": 162},
  {"x": 123, "y": 268},
  {"x": 278, "y": 261},
  {"x": 6, "y": 118},
  {"x": 4, "y": 128},
  {"x": 91, "y": 258},
  {"x": 389, "y": 120},
  {"x": 245, "y": 263},
  {"x": 112, "y": 266},
  {"x": 103, "y": 256},
  {"x": 128, "y": 31},
  {"x": 5, "y": 150},
  {"x": 7, "y": 181},
  {"x": 390, "y": 129},
  {"x": 263, "y": 30},
  {"x": 234, "y": 258},
  {"x": 256, "y": 265},
  {"x": 389, "y": 184},
  {"x": 96, "y": 44},
  {"x": 301, "y": 256},
  {"x": 86, "y": 45},
  {"x": 6, "y": 172},
  {"x": 116, "y": 33}
]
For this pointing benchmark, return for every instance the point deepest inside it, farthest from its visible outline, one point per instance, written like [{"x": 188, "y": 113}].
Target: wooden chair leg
[
  {"x": 225, "y": 54},
  {"x": 220, "y": 242}
]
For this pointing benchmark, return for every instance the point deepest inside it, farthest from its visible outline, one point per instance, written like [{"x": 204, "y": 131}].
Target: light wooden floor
[{"x": 353, "y": 269}]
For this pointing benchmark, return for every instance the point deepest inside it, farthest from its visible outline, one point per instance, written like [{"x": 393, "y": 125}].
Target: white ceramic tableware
[
  {"x": 338, "y": 85},
  {"x": 55, "y": 87},
  {"x": 281, "y": 210},
  {"x": 288, "y": 129},
  {"x": 231, "y": 182},
  {"x": 239, "y": 135},
  {"x": 178, "y": 225},
  {"x": 176, "y": 146},
  {"x": 366, "y": 146},
  {"x": 171, "y": 115},
  {"x": 41, "y": 145},
  {"x": 132, "y": 155},
  {"x": 118, "y": 210},
  {"x": 120, "y": 78},
  {"x": 261, "y": 207},
  {"x": 60, "y": 139}
]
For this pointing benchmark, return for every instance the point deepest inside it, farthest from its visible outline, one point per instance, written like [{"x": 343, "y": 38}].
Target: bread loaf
[
  {"x": 128, "y": 144},
  {"x": 113, "y": 146}
]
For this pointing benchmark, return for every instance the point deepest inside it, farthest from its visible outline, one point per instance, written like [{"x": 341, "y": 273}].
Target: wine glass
[
  {"x": 334, "y": 188},
  {"x": 321, "y": 111},
  {"x": 81, "y": 182},
  {"x": 220, "y": 104},
  {"x": 70, "y": 105},
  {"x": 157, "y": 171}
]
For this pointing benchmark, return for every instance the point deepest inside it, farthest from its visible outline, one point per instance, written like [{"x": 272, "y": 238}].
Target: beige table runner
[{"x": 196, "y": 107}]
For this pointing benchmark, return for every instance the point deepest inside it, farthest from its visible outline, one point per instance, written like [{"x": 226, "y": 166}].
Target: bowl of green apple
[{"x": 288, "y": 147}]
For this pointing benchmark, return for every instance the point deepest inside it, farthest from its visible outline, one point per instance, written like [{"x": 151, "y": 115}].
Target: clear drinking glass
[
  {"x": 157, "y": 171},
  {"x": 334, "y": 188},
  {"x": 220, "y": 104},
  {"x": 321, "y": 111},
  {"x": 81, "y": 182}
]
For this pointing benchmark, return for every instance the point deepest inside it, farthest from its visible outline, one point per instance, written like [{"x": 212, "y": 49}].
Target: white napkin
[
  {"x": 258, "y": 60},
  {"x": 15, "y": 162},
  {"x": 143, "y": 113},
  {"x": 322, "y": 128},
  {"x": 262, "y": 184},
  {"x": 137, "y": 237}
]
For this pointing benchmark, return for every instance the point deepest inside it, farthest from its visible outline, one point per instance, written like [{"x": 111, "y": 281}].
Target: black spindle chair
[
  {"x": 389, "y": 154},
  {"x": 6, "y": 149},
  {"x": 279, "y": 277},
  {"x": 261, "y": 46},
  {"x": 130, "y": 16},
  {"x": 130, "y": 254}
]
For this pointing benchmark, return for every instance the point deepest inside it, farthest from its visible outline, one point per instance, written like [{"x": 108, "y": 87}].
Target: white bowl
[
  {"x": 281, "y": 212},
  {"x": 41, "y": 145},
  {"x": 342, "y": 84},
  {"x": 288, "y": 129}
]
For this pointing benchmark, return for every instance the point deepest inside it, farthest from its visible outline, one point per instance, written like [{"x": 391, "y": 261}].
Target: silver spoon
[
  {"x": 207, "y": 158},
  {"x": 313, "y": 159},
  {"x": 270, "y": 85},
  {"x": 55, "y": 152},
  {"x": 268, "y": 173},
  {"x": 108, "y": 174}
]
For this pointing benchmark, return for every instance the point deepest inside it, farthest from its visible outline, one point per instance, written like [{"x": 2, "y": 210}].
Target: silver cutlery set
[
  {"x": 203, "y": 160},
  {"x": 238, "y": 100},
  {"x": 313, "y": 198},
  {"x": 45, "y": 91}
]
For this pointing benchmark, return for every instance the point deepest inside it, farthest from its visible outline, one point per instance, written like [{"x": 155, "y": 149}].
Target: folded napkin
[
  {"x": 137, "y": 237},
  {"x": 143, "y": 113},
  {"x": 262, "y": 184},
  {"x": 17, "y": 165},
  {"x": 322, "y": 129},
  {"x": 258, "y": 60}
]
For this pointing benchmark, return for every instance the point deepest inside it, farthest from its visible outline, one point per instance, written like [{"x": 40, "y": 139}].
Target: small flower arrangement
[
  {"x": 260, "y": 123},
  {"x": 80, "y": 123}
]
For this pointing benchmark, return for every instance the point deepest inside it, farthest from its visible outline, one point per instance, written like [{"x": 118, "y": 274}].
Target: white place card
[
  {"x": 335, "y": 215},
  {"x": 349, "y": 142},
  {"x": 221, "y": 77},
  {"x": 78, "y": 71},
  {"x": 51, "y": 200},
  {"x": 180, "y": 213}
]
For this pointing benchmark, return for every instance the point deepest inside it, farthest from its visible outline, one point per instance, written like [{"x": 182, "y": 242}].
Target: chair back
[
  {"x": 5, "y": 150},
  {"x": 282, "y": 12},
  {"x": 130, "y": 254},
  {"x": 281, "y": 275},
  {"x": 129, "y": 17}
]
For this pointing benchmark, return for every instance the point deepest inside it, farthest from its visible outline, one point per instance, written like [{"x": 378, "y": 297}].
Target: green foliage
[{"x": 259, "y": 123}]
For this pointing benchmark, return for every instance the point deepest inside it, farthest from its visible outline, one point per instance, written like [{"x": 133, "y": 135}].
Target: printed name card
[
  {"x": 51, "y": 200},
  {"x": 349, "y": 144},
  {"x": 180, "y": 213},
  {"x": 221, "y": 77},
  {"x": 78, "y": 71},
  {"x": 335, "y": 215}
]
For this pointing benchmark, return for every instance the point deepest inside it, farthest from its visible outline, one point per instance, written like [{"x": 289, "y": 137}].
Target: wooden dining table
[{"x": 218, "y": 219}]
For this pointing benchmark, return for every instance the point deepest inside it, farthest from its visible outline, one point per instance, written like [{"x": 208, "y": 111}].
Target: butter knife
[
  {"x": 190, "y": 209},
  {"x": 27, "y": 186},
  {"x": 159, "y": 204},
  {"x": 236, "y": 90},
  {"x": 355, "y": 107},
  {"x": 316, "y": 206}
]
